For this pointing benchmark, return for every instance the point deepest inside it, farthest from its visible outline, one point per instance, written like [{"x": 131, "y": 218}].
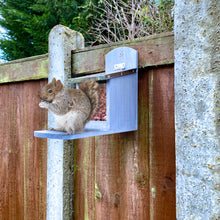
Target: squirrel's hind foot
[{"x": 56, "y": 129}]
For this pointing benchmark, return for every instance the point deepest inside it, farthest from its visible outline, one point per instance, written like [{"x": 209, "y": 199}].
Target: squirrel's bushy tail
[{"x": 91, "y": 88}]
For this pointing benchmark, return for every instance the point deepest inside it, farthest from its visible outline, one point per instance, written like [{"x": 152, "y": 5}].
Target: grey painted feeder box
[{"x": 121, "y": 76}]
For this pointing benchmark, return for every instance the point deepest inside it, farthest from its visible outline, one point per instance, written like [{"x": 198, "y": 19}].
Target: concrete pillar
[
  {"x": 197, "y": 109},
  {"x": 60, "y": 153}
]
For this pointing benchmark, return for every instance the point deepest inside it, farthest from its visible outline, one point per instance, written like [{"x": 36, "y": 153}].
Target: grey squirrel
[{"x": 72, "y": 108}]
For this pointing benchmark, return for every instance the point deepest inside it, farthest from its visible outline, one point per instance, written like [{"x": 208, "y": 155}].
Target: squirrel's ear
[
  {"x": 54, "y": 81},
  {"x": 59, "y": 85}
]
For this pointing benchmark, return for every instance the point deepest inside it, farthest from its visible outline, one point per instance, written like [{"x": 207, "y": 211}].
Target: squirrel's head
[{"x": 50, "y": 90}]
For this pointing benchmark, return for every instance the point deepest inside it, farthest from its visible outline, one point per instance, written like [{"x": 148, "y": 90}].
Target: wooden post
[{"x": 60, "y": 153}]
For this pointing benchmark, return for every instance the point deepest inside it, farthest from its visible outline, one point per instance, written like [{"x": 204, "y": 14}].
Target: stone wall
[{"x": 197, "y": 93}]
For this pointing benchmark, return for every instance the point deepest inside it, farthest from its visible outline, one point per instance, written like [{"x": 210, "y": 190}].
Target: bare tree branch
[{"x": 123, "y": 20}]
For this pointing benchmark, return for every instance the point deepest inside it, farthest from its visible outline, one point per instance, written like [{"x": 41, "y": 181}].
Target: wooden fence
[
  {"x": 120, "y": 176},
  {"x": 23, "y": 158}
]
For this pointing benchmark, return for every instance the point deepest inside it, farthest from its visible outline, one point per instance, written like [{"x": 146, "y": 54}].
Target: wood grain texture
[
  {"x": 162, "y": 143},
  {"x": 152, "y": 51},
  {"x": 107, "y": 174},
  {"x": 132, "y": 175},
  {"x": 84, "y": 179},
  {"x": 30, "y": 68},
  {"x": 22, "y": 157}
]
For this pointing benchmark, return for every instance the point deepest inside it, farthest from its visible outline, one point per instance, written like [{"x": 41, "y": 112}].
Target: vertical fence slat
[
  {"x": 107, "y": 184},
  {"x": 40, "y": 119},
  {"x": 162, "y": 143},
  {"x": 84, "y": 179},
  {"x": 15, "y": 157},
  {"x": 35, "y": 154},
  {"x": 4, "y": 153},
  {"x": 134, "y": 183}
]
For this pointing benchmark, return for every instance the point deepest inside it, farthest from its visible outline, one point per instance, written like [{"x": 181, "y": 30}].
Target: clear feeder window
[{"x": 100, "y": 113}]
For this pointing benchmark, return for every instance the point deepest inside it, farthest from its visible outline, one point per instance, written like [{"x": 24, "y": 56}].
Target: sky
[{"x": 1, "y": 32}]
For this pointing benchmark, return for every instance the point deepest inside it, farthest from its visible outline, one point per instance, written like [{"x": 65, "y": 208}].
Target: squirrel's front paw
[{"x": 43, "y": 104}]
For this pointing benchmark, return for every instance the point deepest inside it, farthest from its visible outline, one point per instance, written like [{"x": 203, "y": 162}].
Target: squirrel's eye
[{"x": 50, "y": 91}]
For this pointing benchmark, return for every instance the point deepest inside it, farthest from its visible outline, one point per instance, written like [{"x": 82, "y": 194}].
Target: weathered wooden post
[
  {"x": 60, "y": 152},
  {"x": 197, "y": 93}
]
